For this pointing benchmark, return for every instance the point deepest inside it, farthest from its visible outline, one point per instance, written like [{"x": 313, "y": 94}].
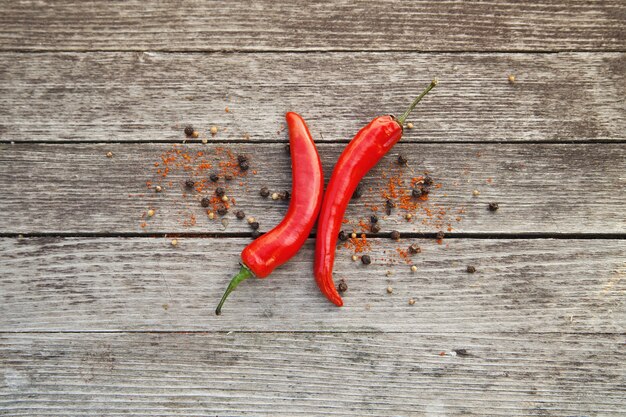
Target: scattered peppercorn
[
  {"x": 402, "y": 160},
  {"x": 428, "y": 180},
  {"x": 255, "y": 234},
  {"x": 244, "y": 166},
  {"x": 275, "y": 196},
  {"x": 189, "y": 131},
  {"x": 411, "y": 301},
  {"x": 224, "y": 198},
  {"x": 461, "y": 352},
  {"x": 390, "y": 204},
  {"x": 395, "y": 235},
  {"x": 213, "y": 130},
  {"x": 408, "y": 216},
  {"x": 265, "y": 192},
  {"x": 353, "y": 235},
  {"x": 413, "y": 268},
  {"x": 174, "y": 242},
  {"x": 414, "y": 248},
  {"x": 475, "y": 193},
  {"x": 158, "y": 188},
  {"x": 374, "y": 219},
  {"x": 511, "y": 78},
  {"x": 366, "y": 259},
  {"x": 189, "y": 183},
  {"x": 228, "y": 177},
  {"x": 251, "y": 220},
  {"x": 240, "y": 214},
  {"x": 222, "y": 211},
  {"x": 358, "y": 191},
  {"x": 343, "y": 236},
  {"x": 409, "y": 125},
  {"x": 242, "y": 158},
  {"x": 219, "y": 191},
  {"x": 195, "y": 134},
  {"x": 211, "y": 215},
  {"x": 109, "y": 154},
  {"x": 425, "y": 190},
  {"x": 205, "y": 141},
  {"x": 205, "y": 202},
  {"x": 342, "y": 287},
  {"x": 150, "y": 213},
  {"x": 493, "y": 206},
  {"x": 440, "y": 235},
  {"x": 214, "y": 177},
  {"x": 254, "y": 225},
  {"x": 417, "y": 193},
  {"x": 285, "y": 195},
  {"x": 471, "y": 269},
  {"x": 375, "y": 228},
  {"x": 389, "y": 290},
  {"x": 354, "y": 258}
]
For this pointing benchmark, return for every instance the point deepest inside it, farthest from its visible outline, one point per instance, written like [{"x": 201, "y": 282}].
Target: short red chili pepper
[
  {"x": 362, "y": 153},
  {"x": 280, "y": 244}
]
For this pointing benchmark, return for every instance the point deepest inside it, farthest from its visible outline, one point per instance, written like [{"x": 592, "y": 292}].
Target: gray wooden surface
[{"x": 100, "y": 315}]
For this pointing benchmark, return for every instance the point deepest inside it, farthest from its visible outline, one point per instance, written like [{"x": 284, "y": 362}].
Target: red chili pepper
[
  {"x": 280, "y": 244},
  {"x": 362, "y": 153}
]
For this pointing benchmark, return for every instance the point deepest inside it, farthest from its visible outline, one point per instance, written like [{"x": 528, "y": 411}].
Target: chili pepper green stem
[
  {"x": 402, "y": 118},
  {"x": 244, "y": 273}
]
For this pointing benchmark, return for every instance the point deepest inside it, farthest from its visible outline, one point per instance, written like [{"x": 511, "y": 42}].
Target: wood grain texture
[
  {"x": 286, "y": 374},
  {"x": 142, "y": 284},
  {"x": 147, "y": 97},
  {"x": 555, "y": 188},
  {"x": 371, "y": 25}
]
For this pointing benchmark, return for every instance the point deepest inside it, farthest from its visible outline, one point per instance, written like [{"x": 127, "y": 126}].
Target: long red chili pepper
[
  {"x": 280, "y": 244},
  {"x": 362, "y": 153}
]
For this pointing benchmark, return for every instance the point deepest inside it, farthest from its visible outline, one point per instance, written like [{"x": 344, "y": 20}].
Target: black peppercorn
[
  {"x": 254, "y": 225},
  {"x": 265, "y": 192},
  {"x": 242, "y": 158},
  {"x": 366, "y": 259},
  {"x": 343, "y": 236},
  {"x": 358, "y": 191},
  {"x": 493, "y": 206},
  {"x": 214, "y": 177},
  {"x": 428, "y": 180},
  {"x": 189, "y": 183},
  {"x": 222, "y": 210},
  {"x": 414, "y": 248},
  {"x": 440, "y": 235},
  {"x": 425, "y": 190},
  {"x": 255, "y": 234},
  {"x": 375, "y": 228},
  {"x": 374, "y": 219},
  {"x": 342, "y": 286},
  {"x": 395, "y": 235},
  {"x": 189, "y": 131},
  {"x": 285, "y": 196},
  {"x": 402, "y": 160},
  {"x": 471, "y": 269},
  {"x": 228, "y": 177},
  {"x": 240, "y": 214},
  {"x": 205, "y": 202},
  {"x": 390, "y": 204},
  {"x": 417, "y": 193},
  {"x": 219, "y": 191},
  {"x": 244, "y": 166}
]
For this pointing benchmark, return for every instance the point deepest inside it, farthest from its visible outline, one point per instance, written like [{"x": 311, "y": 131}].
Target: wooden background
[{"x": 102, "y": 317}]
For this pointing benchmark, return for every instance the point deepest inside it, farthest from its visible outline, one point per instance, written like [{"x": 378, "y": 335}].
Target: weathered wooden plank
[
  {"x": 298, "y": 25},
  {"x": 87, "y": 284},
  {"x": 553, "y": 188},
  {"x": 270, "y": 374},
  {"x": 150, "y": 96}
]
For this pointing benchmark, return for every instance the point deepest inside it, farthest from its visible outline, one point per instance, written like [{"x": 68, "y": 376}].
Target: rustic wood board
[
  {"x": 286, "y": 374},
  {"x": 111, "y": 284},
  {"x": 372, "y": 25},
  {"x": 117, "y": 97},
  {"x": 540, "y": 188}
]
